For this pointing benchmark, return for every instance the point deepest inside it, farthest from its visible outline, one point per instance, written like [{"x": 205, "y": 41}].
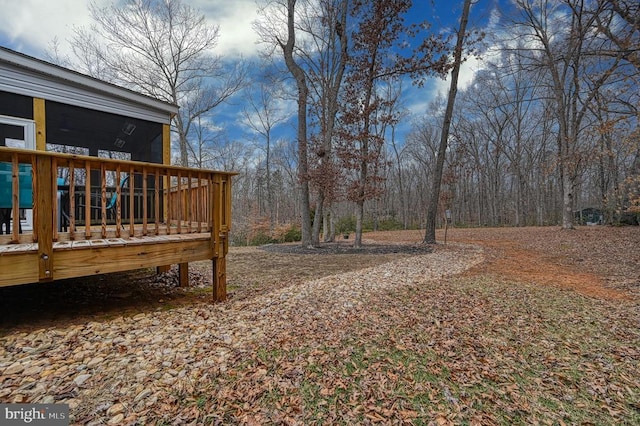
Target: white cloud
[
  {"x": 29, "y": 26},
  {"x": 418, "y": 105},
  {"x": 418, "y": 100},
  {"x": 235, "y": 19},
  {"x": 468, "y": 71}
]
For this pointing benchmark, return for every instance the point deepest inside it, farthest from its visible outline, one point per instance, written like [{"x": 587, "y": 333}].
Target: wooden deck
[{"x": 84, "y": 223}]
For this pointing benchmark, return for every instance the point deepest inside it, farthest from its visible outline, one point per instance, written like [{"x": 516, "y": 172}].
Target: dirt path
[
  {"x": 508, "y": 259},
  {"x": 582, "y": 260}
]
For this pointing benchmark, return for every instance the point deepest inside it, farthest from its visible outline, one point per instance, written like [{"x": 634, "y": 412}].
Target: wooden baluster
[
  {"x": 103, "y": 199},
  {"x": 211, "y": 202},
  {"x": 87, "y": 200},
  {"x": 35, "y": 188},
  {"x": 179, "y": 206},
  {"x": 145, "y": 200},
  {"x": 72, "y": 200},
  {"x": 15, "y": 202},
  {"x": 188, "y": 201},
  {"x": 156, "y": 180},
  {"x": 118, "y": 205},
  {"x": 169, "y": 203},
  {"x": 132, "y": 209},
  {"x": 223, "y": 206},
  {"x": 199, "y": 201},
  {"x": 54, "y": 200}
]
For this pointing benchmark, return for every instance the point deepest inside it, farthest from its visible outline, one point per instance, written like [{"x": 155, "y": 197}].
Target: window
[{"x": 17, "y": 132}]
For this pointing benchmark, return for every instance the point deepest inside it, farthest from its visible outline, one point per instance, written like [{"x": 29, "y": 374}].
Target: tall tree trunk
[
  {"x": 359, "y": 216},
  {"x": 523, "y": 205},
  {"x": 567, "y": 201},
  {"x": 403, "y": 201},
  {"x": 364, "y": 167},
  {"x": 432, "y": 208},
  {"x": 272, "y": 220},
  {"x": 364, "y": 175},
  {"x": 332, "y": 93},
  {"x": 566, "y": 182},
  {"x": 328, "y": 225},
  {"x": 318, "y": 219},
  {"x": 303, "y": 93}
]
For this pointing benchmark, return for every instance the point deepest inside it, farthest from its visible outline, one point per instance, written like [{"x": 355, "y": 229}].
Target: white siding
[{"x": 30, "y": 77}]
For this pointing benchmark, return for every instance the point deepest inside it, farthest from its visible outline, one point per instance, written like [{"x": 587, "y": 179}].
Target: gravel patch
[{"x": 348, "y": 248}]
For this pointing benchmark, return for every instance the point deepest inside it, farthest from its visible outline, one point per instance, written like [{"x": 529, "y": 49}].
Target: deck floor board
[{"x": 12, "y": 249}]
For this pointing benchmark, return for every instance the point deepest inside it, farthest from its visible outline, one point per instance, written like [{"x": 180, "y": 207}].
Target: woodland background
[{"x": 546, "y": 133}]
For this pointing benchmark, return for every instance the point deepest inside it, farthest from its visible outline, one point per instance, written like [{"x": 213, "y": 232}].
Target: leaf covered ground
[{"x": 499, "y": 326}]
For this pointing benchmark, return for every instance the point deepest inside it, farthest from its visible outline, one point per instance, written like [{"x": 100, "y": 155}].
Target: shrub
[
  {"x": 390, "y": 224},
  {"x": 346, "y": 224},
  {"x": 238, "y": 239},
  {"x": 261, "y": 239},
  {"x": 293, "y": 234},
  {"x": 287, "y": 233}
]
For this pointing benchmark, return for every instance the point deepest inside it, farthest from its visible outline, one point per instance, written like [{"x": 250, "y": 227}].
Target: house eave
[{"x": 84, "y": 86}]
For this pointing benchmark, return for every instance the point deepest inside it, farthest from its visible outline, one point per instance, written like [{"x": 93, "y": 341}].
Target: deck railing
[{"x": 76, "y": 198}]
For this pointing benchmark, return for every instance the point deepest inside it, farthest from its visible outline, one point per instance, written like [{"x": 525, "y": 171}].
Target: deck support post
[
  {"x": 44, "y": 222},
  {"x": 163, "y": 269},
  {"x": 220, "y": 279},
  {"x": 183, "y": 274},
  {"x": 220, "y": 210}
]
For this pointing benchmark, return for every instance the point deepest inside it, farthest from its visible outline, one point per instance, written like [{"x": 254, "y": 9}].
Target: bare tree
[
  {"x": 432, "y": 209},
  {"x": 287, "y": 44},
  {"x": 261, "y": 114},
  {"x": 325, "y": 59},
  {"x": 399, "y": 154},
  {"x": 314, "y": 48},
  {"x": 203, "y": 144},
  {"x": 562, "y": 41},
  {"x": 378, "y": 37},
  {"x": 162, "y": 48},
  {"x": 619, "y": 20}
]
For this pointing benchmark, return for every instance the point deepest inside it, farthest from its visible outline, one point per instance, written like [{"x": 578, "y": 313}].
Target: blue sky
[{"x": 29, "y": 26}]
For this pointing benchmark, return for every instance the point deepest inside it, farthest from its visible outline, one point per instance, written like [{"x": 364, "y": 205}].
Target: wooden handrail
[
  {"x": 160, "y": 199},
  {"x": 187, "y": 205},
  {"x": 24, "y": 156}
]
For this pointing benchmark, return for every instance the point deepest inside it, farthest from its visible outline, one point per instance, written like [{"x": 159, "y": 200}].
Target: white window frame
[{"x": 29, "y": 129}]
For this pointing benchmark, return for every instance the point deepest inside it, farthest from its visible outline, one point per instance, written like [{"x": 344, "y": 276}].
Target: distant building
[{"x": 589, "y": 216}]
